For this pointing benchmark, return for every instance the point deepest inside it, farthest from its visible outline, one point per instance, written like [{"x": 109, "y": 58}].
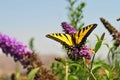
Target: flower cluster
[
  {"x": 67, "y": 28},
  {"x": 84, "y": 52},
  {"x": 28, "y": 59},
  {"x": 13, "y": 47}
]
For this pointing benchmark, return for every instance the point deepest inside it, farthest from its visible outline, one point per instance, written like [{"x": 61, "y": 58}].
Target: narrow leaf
[
  {"x": 98, "y": 45},
  {"x": 31, "y": 75},
  {"x": 72, "y": 77}
]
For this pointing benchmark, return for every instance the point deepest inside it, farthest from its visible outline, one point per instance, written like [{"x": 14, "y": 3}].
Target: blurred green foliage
[
  {"x": 75, "y": 13},
  {"x": 31, "y": 75},
  {"x": 78, "y": 70}
]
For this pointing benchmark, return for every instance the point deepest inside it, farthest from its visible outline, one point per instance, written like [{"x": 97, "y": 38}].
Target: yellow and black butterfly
[{"x": 73, "y": 40}]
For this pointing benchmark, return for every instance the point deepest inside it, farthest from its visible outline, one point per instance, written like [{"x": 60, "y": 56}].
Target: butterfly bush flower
[
  {"x": 13, "y": 47},
  {"x": 67, "y": 28},
  {"x": 28, "y": 59},
  {"x": 84, "y": 52}
]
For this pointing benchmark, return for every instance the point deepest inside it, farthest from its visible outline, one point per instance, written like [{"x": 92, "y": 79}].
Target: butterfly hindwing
[
  {"x": 82, "y": 34},
  {"x": 63, "y": 38}
]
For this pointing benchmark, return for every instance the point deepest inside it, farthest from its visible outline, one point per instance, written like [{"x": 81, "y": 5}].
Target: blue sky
[{"x": 24, "y": 19}]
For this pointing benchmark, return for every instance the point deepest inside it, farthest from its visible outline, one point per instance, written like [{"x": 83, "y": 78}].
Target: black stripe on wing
[
  {"x": 64, "y": 39},
  {"x": 91, "y": 28}
]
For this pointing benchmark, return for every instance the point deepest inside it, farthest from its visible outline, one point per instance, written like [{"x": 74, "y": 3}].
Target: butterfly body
[{"x": 75, "y": 40}]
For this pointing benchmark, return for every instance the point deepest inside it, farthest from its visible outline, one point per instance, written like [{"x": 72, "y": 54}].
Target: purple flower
[
  {"x": 84, "y": 47},
  {"x": 13, "y": 47},
  {"x": 84, "y": 52},
  {"x": 67, "y": 28},
  {"x": 75, "y": 52}
]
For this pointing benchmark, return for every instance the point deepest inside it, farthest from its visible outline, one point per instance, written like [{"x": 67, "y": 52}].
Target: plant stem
[
  {"x": 92, "y": 66},
  {"x": 66, "y": 68},
  {"x": 92, "y": 62},
  {"x": 90, "y": 71},
  {"x": 93, "y": 75},
  {"x": 108, "y": 56}
]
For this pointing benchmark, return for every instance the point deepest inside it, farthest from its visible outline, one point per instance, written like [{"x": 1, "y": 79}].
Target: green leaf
[
  {"x": 75, "y": 65},
  {"x": 98, "y": 45},
  {"x": 100, "y": 64},
  {"x": 96, "y": 66},
  {"x": 107, "y": 45},
  {"x": 31, "y": 75},
  {"x": 31, "y": 44},
  {"x": 18, "y": 75},
  {"x": 107, "y": 73},
  {"x": 72, "y": 77},
  {"x": 97, "y": 37}
]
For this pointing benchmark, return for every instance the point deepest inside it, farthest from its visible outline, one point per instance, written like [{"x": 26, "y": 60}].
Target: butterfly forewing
[
  {"x": 82, "y": 34},
  {"x": 63, "y": 38}
]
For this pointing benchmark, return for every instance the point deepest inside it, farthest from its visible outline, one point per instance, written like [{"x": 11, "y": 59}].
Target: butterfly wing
[
  {"x": 81, "y": 36},
  {"x": 77, "y": 39},
  {"x": 63, "y": 38},
  {"x": 109, "y": 27}
]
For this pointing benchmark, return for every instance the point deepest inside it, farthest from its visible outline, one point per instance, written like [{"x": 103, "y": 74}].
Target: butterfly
[
  {"x": 112, "y": 30},
  {"x": 75, "y": 40}
]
